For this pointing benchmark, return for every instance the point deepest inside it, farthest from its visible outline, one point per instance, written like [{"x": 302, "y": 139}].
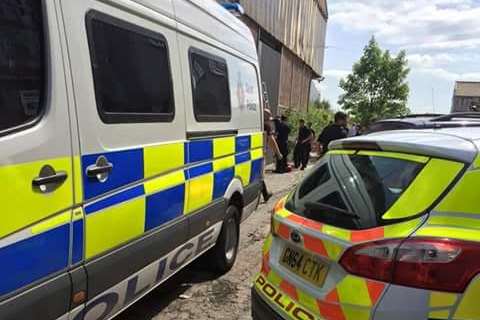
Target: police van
[{"x": 130, "y": 144}]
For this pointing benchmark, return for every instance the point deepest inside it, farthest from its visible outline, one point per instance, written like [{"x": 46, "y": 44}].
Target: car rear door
[
  {"x": 36, "y": 189},
  {"x": 327, "y": 229}
]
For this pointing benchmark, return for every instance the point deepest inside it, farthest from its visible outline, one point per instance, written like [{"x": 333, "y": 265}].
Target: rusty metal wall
[
  {"x": 295, "y": 77},
  {"x": 298, "y": 24}
]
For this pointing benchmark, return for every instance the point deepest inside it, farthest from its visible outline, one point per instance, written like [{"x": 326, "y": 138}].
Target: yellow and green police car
[{"x": 384, "y": 227}]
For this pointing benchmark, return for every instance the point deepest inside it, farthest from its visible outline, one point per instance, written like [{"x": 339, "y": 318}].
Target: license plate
[{"x": 304, "y": 265}]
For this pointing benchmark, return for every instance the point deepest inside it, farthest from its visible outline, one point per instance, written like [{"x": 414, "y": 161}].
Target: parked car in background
[
  {"x": 385, "y": 227},
  {"x": 423, "y": 121}
]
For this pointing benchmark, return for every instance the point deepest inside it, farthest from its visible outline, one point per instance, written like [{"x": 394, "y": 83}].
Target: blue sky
[{"x": 441, "y": 38}]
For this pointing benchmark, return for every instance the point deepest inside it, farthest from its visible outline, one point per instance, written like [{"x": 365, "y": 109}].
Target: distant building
[
  {"x": 290, "y": 36},
  {"x": 466, "y": 95}
]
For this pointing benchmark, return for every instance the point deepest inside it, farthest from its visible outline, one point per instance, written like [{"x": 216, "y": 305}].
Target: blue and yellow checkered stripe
[
  {"x": 153, "y": 185},
  {"x": 178, "y": 179}
]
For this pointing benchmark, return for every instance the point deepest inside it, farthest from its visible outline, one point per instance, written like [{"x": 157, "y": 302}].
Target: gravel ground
[{"x": 194, "y": 293}]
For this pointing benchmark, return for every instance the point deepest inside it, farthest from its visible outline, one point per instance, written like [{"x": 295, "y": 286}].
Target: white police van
[{"x": 130, "y": 144}]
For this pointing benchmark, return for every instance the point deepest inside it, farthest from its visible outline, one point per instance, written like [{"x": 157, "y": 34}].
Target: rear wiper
[{"x": 326, "y": 207}]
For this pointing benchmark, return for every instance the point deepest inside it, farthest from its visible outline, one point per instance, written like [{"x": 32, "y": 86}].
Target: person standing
[
  {"x": 311, "y": 141},
  {"x": 283, "y": 131},
  {"x": 335, "y": 131},
  {"x": 301, "y": 148},
  {"x": 272, "y": 143}
]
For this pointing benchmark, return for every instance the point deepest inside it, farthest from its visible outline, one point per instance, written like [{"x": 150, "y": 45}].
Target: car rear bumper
[{"x": 261, "y": 310}]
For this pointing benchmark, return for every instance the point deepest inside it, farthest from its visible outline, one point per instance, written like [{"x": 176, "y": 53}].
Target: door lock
[
  {"x": 48, "y": 180},
  {"x": 100, "y": 170}
]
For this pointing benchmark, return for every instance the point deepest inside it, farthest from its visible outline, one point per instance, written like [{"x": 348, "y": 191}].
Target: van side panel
[
  {"x": 165, "y": 186},
  {"x": 35, "y": 230}
]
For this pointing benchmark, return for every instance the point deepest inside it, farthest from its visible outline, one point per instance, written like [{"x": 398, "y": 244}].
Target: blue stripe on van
[
  {"x": 242, "y": 144},
  {"x": 200, "y": 150},
  {"x": 31, "y": 259},
  {"x": 115, "y": 199},
  {"x": 127, "y": 168},
  {"x": 241, "y": 158},
  {"x": 164, "y": 206},
  {"x": 221, "y": 181},
  {"x": 199, "y": 170},
  {"x": 77, "y": 244},
  {"x": 256, "y": 170}
]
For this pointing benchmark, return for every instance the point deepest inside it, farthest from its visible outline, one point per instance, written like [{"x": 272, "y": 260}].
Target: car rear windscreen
[{"x": 352, "y": 191}]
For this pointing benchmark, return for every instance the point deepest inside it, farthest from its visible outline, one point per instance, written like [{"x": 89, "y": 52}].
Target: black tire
[{"x": 222, "y": 256}]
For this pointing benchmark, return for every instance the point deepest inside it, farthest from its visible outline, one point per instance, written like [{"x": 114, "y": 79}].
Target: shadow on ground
[{"x": 157, "y": 300}]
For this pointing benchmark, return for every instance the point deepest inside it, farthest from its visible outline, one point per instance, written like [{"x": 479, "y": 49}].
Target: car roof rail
[
  {"x": 422, "y": 115},
  {"x": 456, "y": 115}
]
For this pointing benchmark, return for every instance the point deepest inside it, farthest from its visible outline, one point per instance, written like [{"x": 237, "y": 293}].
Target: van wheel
[{"x": 223, "y": 255}]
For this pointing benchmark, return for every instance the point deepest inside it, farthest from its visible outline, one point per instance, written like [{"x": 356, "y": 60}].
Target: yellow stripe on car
[
  {"x": 256, "y": 154},
  {"x": 243, "y": 172},
  {"x": 200, "y": 192},
  {"x": 341, "y": 152},
  {"x": 52, "y": 223},
  {"x": 21, "y": 206},
  {"x": 256, "y": 140},
  {"x": 164, "y": 182},
  {"x": 422, "y": 192},
  {"x": 223, "y": 163},
  {"x": 114, "y": 226},
  {"x": 469, "y": 307},
  {"x": 159, "y": 159},
  {"x": 395, "y": 155},
  {"x": 353, "y": 290},
  {"x": 223, "y": 146},
  {"x": 464, "y": 196}
]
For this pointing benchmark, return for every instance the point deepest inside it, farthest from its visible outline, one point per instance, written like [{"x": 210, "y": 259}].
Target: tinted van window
[
  {"x": 22, "y": 77},
  {"x": 131, "y": 71},
  {"x": 353, "y": 191},
  {"x": 210, "y": 89}
]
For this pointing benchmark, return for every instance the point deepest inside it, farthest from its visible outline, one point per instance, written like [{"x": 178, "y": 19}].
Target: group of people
[{"x": 277, "y": 139}]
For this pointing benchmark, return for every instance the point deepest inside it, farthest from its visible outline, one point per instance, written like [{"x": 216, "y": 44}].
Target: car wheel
[{"x": 223, "y": 255}]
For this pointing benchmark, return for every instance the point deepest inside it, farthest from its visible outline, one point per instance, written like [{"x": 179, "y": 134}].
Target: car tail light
[{"x": 427, "y": 263}]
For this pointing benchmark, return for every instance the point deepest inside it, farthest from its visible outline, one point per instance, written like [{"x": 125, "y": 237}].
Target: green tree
[
  {"x": 321, "y": 105},
  {"x": 319, "y": 118},
  {"x": 377, "y": 87}
]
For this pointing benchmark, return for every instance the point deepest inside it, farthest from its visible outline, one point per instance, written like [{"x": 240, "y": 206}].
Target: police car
[
  {"x": 131, "y": 143},
  {"x": 385, "y": 227}
]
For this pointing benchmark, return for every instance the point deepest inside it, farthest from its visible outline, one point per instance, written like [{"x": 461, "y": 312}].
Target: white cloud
[
  {"x": 430, "y": 60},
  {"x": 336, "y": 73},
  {"x": 443, "y": 74},
  {"x": 427, "y": 24}
]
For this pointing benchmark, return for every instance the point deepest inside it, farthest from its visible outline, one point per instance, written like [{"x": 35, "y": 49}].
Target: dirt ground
[{"x": 194, "y": 293}]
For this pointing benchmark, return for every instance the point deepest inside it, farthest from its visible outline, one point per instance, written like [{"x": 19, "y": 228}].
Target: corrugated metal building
[
  {"x": 290, "y": 36},
  {"x": 466, "y": 95}
]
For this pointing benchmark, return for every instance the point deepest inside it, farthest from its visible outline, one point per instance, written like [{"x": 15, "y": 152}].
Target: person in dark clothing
[
  {"x": 272, "y": 143},
  {"x": 335, "y": 131},
  {"x": 283, "y": 131},
  {"x": 302, "y": 146},
  {"x": 310, "y": 142}
]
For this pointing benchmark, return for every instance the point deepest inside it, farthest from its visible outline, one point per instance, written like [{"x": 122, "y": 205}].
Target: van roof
[
  {"x": 459, "y": 144},
  {"x": 210, "y": 19}
]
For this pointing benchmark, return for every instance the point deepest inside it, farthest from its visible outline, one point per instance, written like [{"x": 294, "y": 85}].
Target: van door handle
[
  {"x": 93, "y": 171},
  {"x": 100, "y": 170},
  {"x": 48, "y": 180}
]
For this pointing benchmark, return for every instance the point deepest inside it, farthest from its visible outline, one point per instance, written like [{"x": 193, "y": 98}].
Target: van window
[
  {"x": 210, "y": 89},
  {"x": 353, "y": 191},
  {"x": 131, "y": 71},
  {"x": 22, "y": 75}
]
